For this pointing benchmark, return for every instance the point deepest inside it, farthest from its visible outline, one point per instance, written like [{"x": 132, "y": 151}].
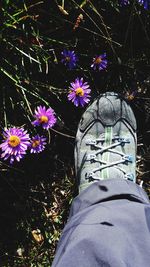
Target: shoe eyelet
[{"x": 91, "y": 157}]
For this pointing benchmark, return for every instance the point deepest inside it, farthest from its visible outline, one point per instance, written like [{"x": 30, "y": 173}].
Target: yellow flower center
[
  {"x": 43, "y": 119},
  {"x": 35, "y": 143},
  {"x": 98, "y": 60},
  {"x": 79, "y": 91},
  {"x": 68, "y": 59},
  {"x": 14, "y": 141}
]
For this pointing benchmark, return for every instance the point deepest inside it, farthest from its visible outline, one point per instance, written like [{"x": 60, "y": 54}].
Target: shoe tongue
[
  {"x": 112, "y": 172},
  {"x": 112, "y": 155}
]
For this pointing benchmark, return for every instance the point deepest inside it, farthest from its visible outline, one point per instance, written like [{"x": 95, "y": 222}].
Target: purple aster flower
[
  {"x": 100, "y": 62},
  {"x": 15, "y": 144},
  {"x": 69, "y": 58},
  {"x": 37, "y": 144},
  {"x": 145, "y": 3},
  {"x": 79, "y": 92},
  {"x": 124, "y": 2},
  {"x": 44, "y": 117}
]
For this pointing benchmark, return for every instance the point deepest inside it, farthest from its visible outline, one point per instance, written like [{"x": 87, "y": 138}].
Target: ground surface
[{"x": 36, "y": 194}]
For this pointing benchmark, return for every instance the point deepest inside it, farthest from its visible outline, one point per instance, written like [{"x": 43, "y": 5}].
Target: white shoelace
[{"x": 124, "y": 159}]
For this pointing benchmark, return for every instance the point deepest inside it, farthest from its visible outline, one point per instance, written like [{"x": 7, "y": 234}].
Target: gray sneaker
[{"x": 106, "y": 141}]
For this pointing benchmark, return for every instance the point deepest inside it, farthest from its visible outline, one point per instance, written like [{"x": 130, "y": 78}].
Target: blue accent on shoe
[
  {"x": 128, "y": 158},
  {"x": 129, "y": 176}
]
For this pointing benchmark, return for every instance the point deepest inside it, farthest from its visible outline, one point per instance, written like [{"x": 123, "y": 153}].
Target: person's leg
[{"x": 109, "y": 220}]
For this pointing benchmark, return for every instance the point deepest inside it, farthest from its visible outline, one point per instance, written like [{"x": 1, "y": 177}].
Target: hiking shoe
[{"x": 106, "y": 141}]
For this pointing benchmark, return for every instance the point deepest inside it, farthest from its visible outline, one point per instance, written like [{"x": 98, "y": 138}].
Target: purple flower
[
  {"x": 37, "y": 144},
  {"x": 100, "y": 62},
  {"x": 145, "y": 3},
  {"x": 79, "y": 92},
  {"x": 69, "y": 58},
  {"x": 44, "y": 117},
  {"x": 124, "y": 2},
  {"x": 15, "y": 144}
]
